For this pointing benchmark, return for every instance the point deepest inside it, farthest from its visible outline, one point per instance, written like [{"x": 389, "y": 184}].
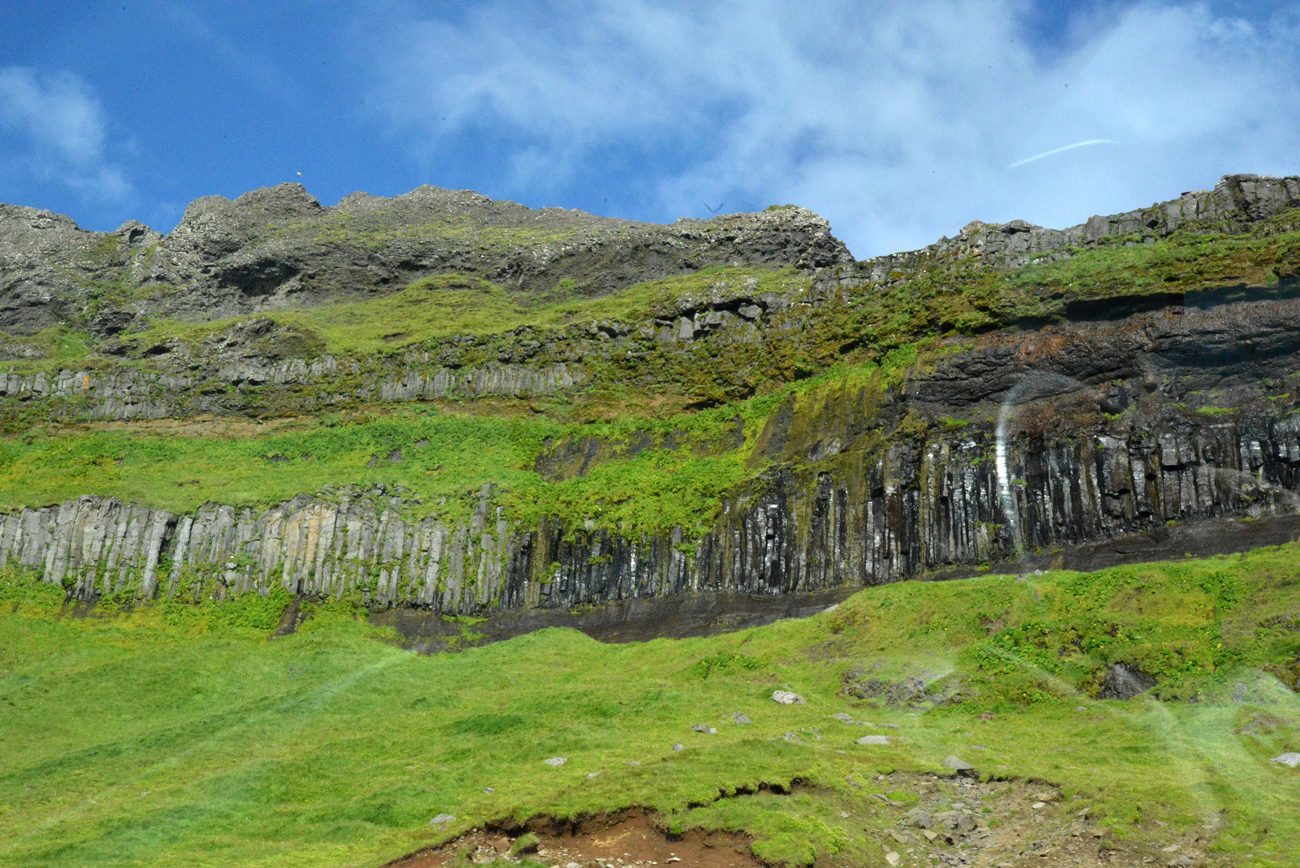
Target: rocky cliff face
[
  {"x": 279, "y": 247},
  {"x": 865, "y": 489},
  {"x": 1082, "y": 439}
]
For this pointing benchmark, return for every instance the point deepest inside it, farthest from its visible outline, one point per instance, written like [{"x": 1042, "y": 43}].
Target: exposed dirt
[
  {"x": 959, "y": 821},
  {"x": 924, "y": 820},
  {"x": 628, "y": 839}
]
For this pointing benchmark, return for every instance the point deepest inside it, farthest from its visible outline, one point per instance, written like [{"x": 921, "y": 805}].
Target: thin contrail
[{"x": 1066, "y": 148}]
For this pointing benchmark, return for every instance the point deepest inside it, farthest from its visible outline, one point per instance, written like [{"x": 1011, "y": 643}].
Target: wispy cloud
[
  {"x": 899, "y": 122},
  {"x": 53, "y": 128}
]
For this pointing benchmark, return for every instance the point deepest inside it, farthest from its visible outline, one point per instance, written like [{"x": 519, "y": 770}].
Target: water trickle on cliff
[{"x": 1034, "y": 384}]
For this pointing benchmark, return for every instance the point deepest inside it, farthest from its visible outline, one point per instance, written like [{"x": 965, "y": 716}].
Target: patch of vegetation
[
  {"x": 463, "y": 304},
  {"x": 650, "y": 472},
  {"x": 169, "y": 736}
]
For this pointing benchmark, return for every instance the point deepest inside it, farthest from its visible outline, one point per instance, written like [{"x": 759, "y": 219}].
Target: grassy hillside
[{"x": 178, "y": 734}]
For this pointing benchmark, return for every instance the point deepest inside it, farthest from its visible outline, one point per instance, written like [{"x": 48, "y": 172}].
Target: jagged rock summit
[{"x": 278, "y": 247}]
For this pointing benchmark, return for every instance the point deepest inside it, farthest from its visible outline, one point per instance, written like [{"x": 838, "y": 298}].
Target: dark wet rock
[{"x": 1124, "y": 682}]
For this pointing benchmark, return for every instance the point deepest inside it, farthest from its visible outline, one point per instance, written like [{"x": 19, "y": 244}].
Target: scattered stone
[
  {"x": 740, "y": 717},
  {"x": 591, "y": 775},
  {"x": 790, "y": 736},
  {"x": 929, "y": 836},
  {"x": 489, "y": 790},
  {"x": 633, "y": 762},
  {"x": 557, "y": 761},
  {"x": 1183, "y": 861},
  {"x": 1287, "y": 759},
  {"x": 442, "y": 820},
  {"x": 846, "y": 718},
  {"x": 699, "y": 727},
  {"x": 1038, "y": 806},
  {"x": 920, "y": 818},
  {"x": 893, "y": 858},
  {"x": 786, "y": 697},
  {"x": 897, "y": 837},
  {"x": 872, "y": 739},
  {"x": 886, "y": 725},
  {"x": 954, "y": 762},
  {"x": 679, "y": 747},
  {"x": 713, "y": 730},
  {"x": 955, "y": 820},
  {"x": 844, "y": 815}
]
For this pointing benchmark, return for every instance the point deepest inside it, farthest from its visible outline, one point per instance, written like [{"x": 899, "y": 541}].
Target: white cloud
[
  {"x": 898, "y": 122},
  {"x": 57, "y": 128}
]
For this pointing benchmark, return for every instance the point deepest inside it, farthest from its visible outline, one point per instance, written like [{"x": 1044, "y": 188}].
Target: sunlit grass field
[{"x": 179, "y": 734}]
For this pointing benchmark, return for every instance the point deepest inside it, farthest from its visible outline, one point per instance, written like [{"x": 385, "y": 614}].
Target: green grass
[
  {"x": 964, "y": 298},
  {"x": 650, "y": 472},
  {"x": 675, "y": 476},
  {"x": 458, "y": 304},
  {"x": 443, "y": 454},
  {"x": 176, "y": 735}
]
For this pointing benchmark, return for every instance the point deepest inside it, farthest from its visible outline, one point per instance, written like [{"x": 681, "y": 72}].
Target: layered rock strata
[{"x": 867, "y": 517}]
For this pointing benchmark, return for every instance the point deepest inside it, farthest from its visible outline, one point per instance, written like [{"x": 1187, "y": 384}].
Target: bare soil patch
[{"x": 626, "y": 839}]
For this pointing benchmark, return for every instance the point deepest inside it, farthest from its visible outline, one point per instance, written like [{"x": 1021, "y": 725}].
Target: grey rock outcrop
[
  {"x": 1124, "y": 682},
  {"x": 279, "y": 247}
]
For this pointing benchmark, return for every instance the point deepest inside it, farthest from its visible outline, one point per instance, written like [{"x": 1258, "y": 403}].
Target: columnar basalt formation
[{"x": 913, "y": 507}]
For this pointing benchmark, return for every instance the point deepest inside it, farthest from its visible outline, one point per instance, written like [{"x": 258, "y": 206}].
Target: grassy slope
[{"x": 180, "y": 736}]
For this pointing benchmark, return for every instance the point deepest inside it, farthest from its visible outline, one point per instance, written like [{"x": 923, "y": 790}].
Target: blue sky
[{"x": 897, "y": 122}]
